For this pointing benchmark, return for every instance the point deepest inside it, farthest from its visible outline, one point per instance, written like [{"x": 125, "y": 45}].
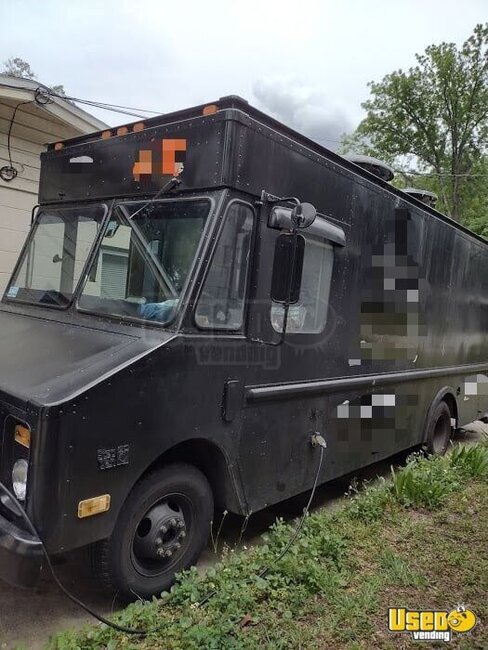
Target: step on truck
[{"x": 200, "y": 295}]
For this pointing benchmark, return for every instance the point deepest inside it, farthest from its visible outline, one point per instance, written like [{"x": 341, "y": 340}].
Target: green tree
[
  {"x": 17, "y": 67},
  {"x": 433, "y": 120}
]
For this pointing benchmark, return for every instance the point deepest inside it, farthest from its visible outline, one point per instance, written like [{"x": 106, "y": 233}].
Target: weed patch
[{"x": 417, "y": 541}]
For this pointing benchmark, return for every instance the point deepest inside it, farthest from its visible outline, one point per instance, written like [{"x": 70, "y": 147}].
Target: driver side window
[
  {"x": 222, "y": 300},
  {"x": 309, "y": 314}
]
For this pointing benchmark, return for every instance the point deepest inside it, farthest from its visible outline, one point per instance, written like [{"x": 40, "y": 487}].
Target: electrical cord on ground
[
  {"x": 299, "y": 527},
  {"x": 316, "y": 441},
  {"x": 66, "y": 592}
]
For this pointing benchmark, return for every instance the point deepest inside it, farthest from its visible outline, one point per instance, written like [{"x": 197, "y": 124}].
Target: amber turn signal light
[
  {"x": 93, "y": 506},
  {"x": 22, "y": 435}
]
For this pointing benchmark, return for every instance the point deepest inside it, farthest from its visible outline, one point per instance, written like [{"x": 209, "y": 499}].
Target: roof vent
[
  {"x": 372, "y": 165},
  {"x": 429, "y": 198}
]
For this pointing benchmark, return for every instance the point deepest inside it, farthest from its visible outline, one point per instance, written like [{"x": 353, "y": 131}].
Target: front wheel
[{"x": 161, "y": 530}]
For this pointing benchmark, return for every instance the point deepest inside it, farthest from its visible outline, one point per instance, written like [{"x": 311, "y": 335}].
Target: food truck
[{"x": 201, "y": 295}]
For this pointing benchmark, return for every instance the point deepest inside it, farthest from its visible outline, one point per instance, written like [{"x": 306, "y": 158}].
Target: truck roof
[{"x": 224, "y": 143}]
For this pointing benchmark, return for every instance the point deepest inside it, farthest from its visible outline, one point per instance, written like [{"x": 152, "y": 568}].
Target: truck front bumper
[{"x": 20, "y": 555}]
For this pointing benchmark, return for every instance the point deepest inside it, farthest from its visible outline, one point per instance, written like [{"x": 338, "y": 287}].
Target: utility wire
[
  {"x": 41, "y": 97},
  {"x": 439, "y": 174},
  {"x": 107, "y": 105},
  {"x": 9, "y": 172},
  {"x": 116, "y": 108}
]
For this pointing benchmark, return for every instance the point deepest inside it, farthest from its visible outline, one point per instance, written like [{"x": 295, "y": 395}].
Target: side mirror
[
  {"x": 303, "y": 215},
  {"x": 287, "y": 268}
]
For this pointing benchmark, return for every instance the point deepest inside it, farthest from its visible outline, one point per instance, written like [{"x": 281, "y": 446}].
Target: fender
[{"x": 439, "y": 397}]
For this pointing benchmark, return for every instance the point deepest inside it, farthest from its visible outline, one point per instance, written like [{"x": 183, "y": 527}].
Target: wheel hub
[{"x": 161, "y": 532}]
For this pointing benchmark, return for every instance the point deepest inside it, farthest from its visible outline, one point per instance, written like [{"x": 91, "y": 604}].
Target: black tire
[
  {"x": 162, "y": 528},
  {"x": 438, "y": 431}
]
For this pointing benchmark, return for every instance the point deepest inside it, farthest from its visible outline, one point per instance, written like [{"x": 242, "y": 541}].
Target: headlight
[{"x": 19, "y": 478}]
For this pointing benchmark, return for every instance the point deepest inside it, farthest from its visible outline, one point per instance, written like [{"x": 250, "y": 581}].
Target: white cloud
[
  {"x": 305, "y": 108},
  {"x": 308, "y": 62}
]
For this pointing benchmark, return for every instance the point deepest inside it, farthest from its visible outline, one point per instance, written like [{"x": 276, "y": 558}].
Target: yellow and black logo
[{"x": 431, "y": 625}]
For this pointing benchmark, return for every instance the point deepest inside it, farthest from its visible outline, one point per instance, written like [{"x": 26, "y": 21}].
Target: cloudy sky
[{"x": 306, "y": 62}]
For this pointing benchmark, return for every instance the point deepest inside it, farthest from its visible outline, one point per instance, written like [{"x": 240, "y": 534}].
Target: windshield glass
[
  {"x": 144, "y": 259},
  {"x": 56, "y": 254}
]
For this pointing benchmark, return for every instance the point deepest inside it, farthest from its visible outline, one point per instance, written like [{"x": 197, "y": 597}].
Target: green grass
[{"x": 418, "y": 541}]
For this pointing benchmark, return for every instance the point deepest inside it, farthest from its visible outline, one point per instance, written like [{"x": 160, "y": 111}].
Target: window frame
[
  {"x": 33, "y": 229},
  {"x": 333, "y": 245},
  {"x": 181, "y": 303},
  {"x": 227, "y": 330}
]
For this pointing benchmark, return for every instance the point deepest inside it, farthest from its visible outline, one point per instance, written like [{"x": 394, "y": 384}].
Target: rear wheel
[
  {"x": 438, "y": 431},
  {"x": 161, "y": 530}
]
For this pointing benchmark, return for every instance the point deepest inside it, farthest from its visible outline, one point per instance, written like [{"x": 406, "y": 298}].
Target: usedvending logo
[{"x": 431, "y": 625}]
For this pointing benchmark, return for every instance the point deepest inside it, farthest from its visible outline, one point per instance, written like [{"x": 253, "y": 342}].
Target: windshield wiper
[
  {"x": 172, "y": 184},
  {"x": 142, "y": 245}
]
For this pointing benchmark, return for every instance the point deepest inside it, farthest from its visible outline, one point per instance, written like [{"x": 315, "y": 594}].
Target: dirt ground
[{"x": 29, "y": 617}]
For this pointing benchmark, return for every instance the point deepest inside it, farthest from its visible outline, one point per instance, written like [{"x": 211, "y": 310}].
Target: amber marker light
[
  {"x": 22, "y": 435},
  {"x": 210, "y": 109},
  {"x": 93, "y": 506}
]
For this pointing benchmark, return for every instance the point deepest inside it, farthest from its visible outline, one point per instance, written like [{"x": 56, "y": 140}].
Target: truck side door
[{"x": 276, "y": 457}]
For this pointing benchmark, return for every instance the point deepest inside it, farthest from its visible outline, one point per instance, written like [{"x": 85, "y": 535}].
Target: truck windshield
[
  {"x": 144, "y": 259},
  {"x": 55, "y": 256}
]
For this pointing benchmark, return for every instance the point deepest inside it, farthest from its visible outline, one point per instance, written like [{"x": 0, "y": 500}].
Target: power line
[
  {"x": 105, "y": 104},
  {"x": 107, "y": 107},
  {"x": 9, "y": 172},
  {"x": 116, "y": 108},
  {"x": 439, "y": 174}
]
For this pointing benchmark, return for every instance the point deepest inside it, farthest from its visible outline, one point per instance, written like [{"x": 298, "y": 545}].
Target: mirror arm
[{"x": 266, "y": 197}]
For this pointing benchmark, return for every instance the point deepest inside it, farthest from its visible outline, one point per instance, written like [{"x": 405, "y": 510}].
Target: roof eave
[{"x": 18, "y": 90}]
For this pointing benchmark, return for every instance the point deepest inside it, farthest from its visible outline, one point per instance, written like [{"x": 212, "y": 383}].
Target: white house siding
[
  {"x": 17, "y": 199},
  {"x": 110, "y": 280},
  {"x": 33, "y": 127},
  {"x": 43, "y": 270}
]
